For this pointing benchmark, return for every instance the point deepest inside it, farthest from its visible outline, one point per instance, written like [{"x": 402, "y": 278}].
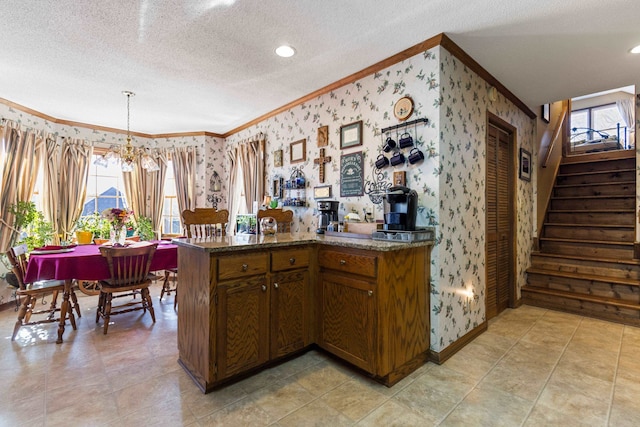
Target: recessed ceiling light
[
  {"x": 285, "y": 51},
  {"x": 636, "y": 49}
]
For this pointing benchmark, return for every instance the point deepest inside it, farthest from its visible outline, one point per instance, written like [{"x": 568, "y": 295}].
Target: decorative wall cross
[{"x": 320, "y": 161}]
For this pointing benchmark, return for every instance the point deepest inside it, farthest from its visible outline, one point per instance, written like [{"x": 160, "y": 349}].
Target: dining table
[{"x": 84, "y": 262}]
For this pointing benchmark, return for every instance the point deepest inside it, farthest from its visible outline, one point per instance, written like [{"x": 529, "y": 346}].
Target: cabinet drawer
[
  {"x": 231, "y": 267},
  {"x": 363, "y": 265},
  {"x": 289, "y": 259}
]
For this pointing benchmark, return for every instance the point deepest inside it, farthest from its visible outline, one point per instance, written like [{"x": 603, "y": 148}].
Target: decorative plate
[{"x": 403, "y": 108}]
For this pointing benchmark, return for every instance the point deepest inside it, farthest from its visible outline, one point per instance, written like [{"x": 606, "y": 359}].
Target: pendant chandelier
[{"x": 127, "y": 155}]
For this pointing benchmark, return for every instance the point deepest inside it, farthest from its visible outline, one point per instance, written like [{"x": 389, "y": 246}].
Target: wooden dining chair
[
  {"x": 198, "y": 223},
  {"x": 29, "y": 293},
  {"x": 129, "y": 270},
  {"x": 205, "y": 222},
  {"x": 283, "y": 218}
]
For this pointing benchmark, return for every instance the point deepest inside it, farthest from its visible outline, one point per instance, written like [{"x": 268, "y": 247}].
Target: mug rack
[{"x": 405, "y": 141}]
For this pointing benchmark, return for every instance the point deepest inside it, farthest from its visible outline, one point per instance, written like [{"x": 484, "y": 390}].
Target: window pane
[
  {"x": 579, "y": 122},
  {"x": 606, "y": 118},
  {"x": 170, "y": 211},
  {"x": 105, "y": 188}
]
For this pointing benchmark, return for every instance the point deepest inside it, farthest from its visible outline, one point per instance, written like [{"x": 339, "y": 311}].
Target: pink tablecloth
[{"x": 86, "y": 263}]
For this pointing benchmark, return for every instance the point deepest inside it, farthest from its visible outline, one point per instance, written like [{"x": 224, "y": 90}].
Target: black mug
[
  {"x": 397, "y": 159},
  {"x": 389, "y": 145},
  {"x": 415, "y": 156},
  {"x": 405, "y": 140},
  {"x": 382, "y": 162}
]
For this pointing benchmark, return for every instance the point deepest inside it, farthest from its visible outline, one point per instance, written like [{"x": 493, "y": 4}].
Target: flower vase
[{"x": 118, "y": 235}]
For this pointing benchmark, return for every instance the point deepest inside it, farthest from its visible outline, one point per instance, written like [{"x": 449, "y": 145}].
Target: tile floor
[{"x": 533, "y": 367}]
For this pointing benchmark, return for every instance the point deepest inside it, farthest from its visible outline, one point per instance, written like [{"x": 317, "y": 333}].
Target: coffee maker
[
  {"x": 327, "y": 212},
  {"x": 400, "y": 209}
]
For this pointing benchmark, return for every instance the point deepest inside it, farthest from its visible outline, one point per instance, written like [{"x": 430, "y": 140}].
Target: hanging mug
[
  {"x": 389, "y": 145},
  {"x": 382, "y": 162},
  {"x": 397, "y": 159},
  {"x": 405, "y": 140},
  {"x": 415, "y": 156}
]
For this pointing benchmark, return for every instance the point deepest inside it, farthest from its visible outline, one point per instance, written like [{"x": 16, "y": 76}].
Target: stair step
[
  {"x": 585, "y": 277},
  {"x": 594, "y": 248},
  {"x": 583, "y": 297},
  {"x": 588, "y": 178},
  {"x": 598, "y": 166},
  {"x": 622, "y": 188},
  {"x": 605, "y": 232},
  {"x": 619, "y": 217},
  {"x": 599, "y": 157},
  {"x": 602, "y": 267},
  {"x": 586, "y": 241},
  {"x": 588, "y": 203}
]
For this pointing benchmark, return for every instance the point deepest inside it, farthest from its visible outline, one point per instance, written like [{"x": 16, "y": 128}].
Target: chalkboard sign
[{"x": 351, "y": 175}]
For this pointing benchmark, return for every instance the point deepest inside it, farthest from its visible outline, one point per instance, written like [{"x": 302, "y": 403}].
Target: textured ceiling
[{"x": 208, "y": 65}]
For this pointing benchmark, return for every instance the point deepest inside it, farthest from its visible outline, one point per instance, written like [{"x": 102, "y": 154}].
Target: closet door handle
[{"x": 244, "y": 267}]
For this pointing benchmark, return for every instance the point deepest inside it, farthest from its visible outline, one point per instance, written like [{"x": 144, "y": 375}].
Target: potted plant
[
  {"x": 35, "y": 231},
  {"x": 85, "y": 227},
  {"x": 144, "y": 228},
  {"x": 93, "y": 226}
]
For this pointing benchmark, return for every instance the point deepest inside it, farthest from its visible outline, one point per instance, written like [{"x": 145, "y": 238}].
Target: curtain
[
  {"x": 626, "y": 108},
  {"x": 74, "y": 176},
  {"x": 134, "y": 188},
  {"x": 233, "y": 203},
  {"x": 184, "y": 170},
  {"x": 155, "y": 191},
  {"x": 144, "y": 190},
  {"x": 252, "y": 165},
  {"x": 50, "y": 180},
  {"x": 21, "y": 153}
]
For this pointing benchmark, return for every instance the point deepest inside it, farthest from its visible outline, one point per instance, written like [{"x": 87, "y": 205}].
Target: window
[
  {"x": 170, "y": 210},
  {"x": 595, "y": 122},
  {"x": 105, "y": 188}
]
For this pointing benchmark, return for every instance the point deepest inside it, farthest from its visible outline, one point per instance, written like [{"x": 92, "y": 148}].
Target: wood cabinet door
[
  {"x": 243, "y": 325},
  {"x": 289, "y": 312},
  {"x": 347, "y": 319}
]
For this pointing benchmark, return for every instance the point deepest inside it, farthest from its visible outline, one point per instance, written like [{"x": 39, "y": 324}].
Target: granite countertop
[{"x": 244, "y": 242}]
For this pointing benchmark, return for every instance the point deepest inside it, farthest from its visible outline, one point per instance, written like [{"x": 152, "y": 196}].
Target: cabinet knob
[
  {"x": 244, "y": 267},
  {"x": 292, "y": 261},
  {"x": 342, "y": 262},
  {"x": 275, "y": 285},
  {"x": 370, "y": 293},
  {"x": 264, "y": 288}
]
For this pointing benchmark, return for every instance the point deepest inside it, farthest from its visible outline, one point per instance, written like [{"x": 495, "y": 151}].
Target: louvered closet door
[{"x": 499, "y": 221}]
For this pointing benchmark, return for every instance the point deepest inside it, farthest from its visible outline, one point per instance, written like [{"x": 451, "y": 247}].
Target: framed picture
[
  {"x": 277, "y": 187},
  {"x": 525, "y": 165},
  {"x": 352, "y": 174},
  {"x": 322, "y": 192},
  {"x": 399, "y": 178},
  {"x": 277, "y": 158},
  {"x": 351, "y": 135},
  {"x": 323, "y": 136},
  {"x": 546, "y": 111},
  {"x": 298, "y": 151}
]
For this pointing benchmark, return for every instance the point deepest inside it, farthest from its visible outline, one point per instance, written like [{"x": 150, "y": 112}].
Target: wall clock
[{"x": 403, "y": 108}]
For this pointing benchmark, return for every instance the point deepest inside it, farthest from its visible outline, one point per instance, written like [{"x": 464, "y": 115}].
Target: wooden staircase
[{"x": 585, "y": 264}]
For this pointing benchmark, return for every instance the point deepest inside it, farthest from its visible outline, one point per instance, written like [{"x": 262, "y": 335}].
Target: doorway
[{"x": 501, "y": 214}]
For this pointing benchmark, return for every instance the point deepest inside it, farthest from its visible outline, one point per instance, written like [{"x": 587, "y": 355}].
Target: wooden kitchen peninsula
[{"x": 247, "y": 301}]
